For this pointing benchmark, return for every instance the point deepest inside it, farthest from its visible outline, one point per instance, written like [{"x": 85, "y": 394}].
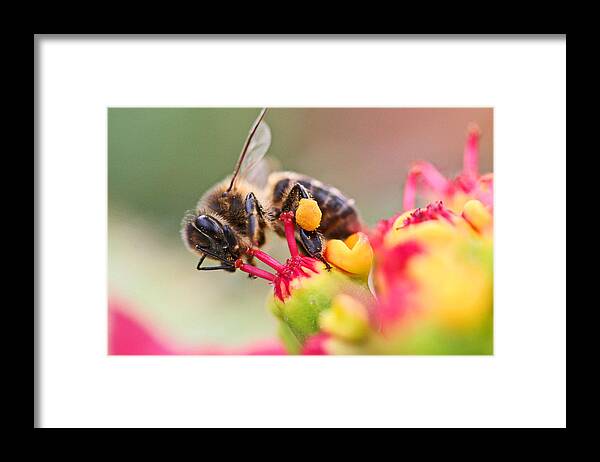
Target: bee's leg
[
  {"x": 255, "y": 225},
  {"x": 225, "y": 267},
  {"x": 293, "y": 198},
  {"x": 254, "y": 220},
  {"x": 312, "y": 243},
  {"x": 221, "y": 267},
  {"x": 200, "y": 262}
]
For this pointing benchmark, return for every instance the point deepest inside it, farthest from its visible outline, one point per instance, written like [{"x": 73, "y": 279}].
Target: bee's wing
[
  {"x": 258, "y": 175},
  {"x": 256, "y": 146}
]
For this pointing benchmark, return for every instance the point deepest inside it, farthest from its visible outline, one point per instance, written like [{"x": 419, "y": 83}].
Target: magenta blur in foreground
[{"x": 417, "y": 283}]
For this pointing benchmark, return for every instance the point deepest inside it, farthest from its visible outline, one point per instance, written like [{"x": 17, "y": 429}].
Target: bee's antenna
[{"x": 246, "y": 144}]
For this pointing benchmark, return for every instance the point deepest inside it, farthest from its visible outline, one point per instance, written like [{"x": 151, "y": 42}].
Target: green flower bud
[{"x": 309, "y": 297}]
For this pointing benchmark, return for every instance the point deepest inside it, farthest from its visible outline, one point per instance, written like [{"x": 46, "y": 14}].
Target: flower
[
  {"x": 434, "y": 280},
  {"x": 455, "y": 193},
  {"x": 300, "y": 314}
]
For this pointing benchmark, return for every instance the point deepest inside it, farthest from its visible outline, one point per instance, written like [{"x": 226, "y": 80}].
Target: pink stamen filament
[
  {"x": 410, "y": 191},
  {"x": 267, "y": 259},
  {"x": 432, "y": 177},
  {"x": 282, "y": 289},
  {"x": 286, "y": 217},
  {"x": 471, "y": 154},
  {"x": 250, "y": 269}
]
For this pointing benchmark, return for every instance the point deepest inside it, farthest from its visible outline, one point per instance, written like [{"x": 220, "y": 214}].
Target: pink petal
[
  {"x": 315, "y": 345},
  {"x": 271, "y": 347},
  {"x": 128, "y": 336},
  {"x": 131, "y": 336},
  {"x": 265, "y": 347}
]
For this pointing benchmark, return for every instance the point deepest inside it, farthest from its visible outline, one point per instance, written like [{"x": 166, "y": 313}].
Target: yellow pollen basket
[{"x": 308, "y": 214}]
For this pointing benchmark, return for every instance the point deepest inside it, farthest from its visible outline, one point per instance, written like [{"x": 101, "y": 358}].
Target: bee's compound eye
[
  {"x": 209, "y": 226},
  {"x": 195, "y": 238},
  {"x": 202, "y": 243}
]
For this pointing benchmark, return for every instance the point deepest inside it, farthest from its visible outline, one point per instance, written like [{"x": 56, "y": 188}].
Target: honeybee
[{"x": 232, "y": 217}]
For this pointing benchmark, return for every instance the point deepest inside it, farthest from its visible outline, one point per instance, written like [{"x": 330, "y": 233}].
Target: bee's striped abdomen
[{"x": 340, "y": 217}]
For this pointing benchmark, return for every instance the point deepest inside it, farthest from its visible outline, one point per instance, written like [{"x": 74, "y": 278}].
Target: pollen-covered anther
[
  {"x": 433, "y": 211},
  {"x": 308, "y": 214},
  {"x": 287, "y": 217}
]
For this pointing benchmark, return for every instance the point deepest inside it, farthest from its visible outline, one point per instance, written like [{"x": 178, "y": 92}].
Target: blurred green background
[{"x": 161, "y": 160}]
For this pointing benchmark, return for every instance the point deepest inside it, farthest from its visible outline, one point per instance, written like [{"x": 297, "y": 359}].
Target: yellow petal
[
  {"x": 399, "y": 222},
  {"x": 427, "y": 232},
  {"x": 453, "y": 292},
  {"x": 478, "y": 215},
  {"x": 347, "y": 319},
  {"x": 354, "y": 255},
  {"x": 308, "y": 214}
]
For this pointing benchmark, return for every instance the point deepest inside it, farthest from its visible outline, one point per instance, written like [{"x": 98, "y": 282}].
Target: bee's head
[{"x": 207, "y": 235}]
